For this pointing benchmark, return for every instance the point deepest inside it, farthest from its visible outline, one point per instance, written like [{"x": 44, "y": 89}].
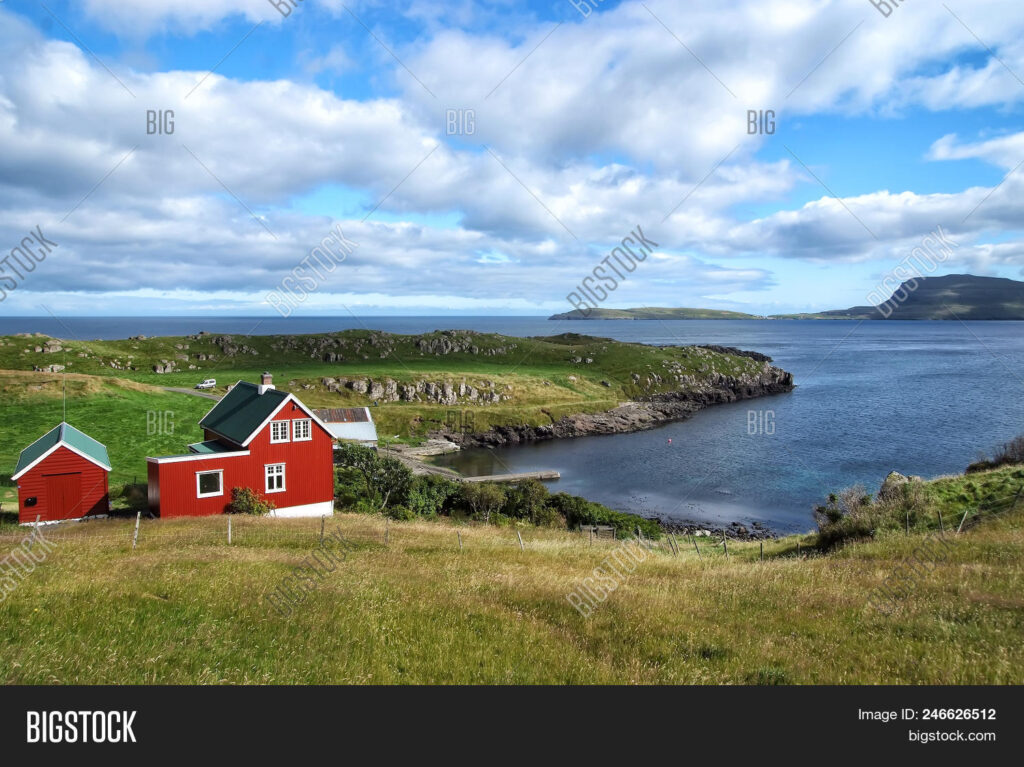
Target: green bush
[
  {"x": 482, "y": 499},
  {"x": 364, "y": 506},
  {"x": 579, "y": 511},
  {"x": 429, "y": 494},
  {"x": 851, "y": 514},
  {"x": 245, "y": 500},
  {"x": 527, "y": 500},
  {"x": 401, "y": 513},
  {"x": 1008, "y": 454},
  {"x": 385, "y": 480}
]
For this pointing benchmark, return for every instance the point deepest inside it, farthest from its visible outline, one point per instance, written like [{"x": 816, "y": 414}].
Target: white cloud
[{"x": 608, "y": 124}]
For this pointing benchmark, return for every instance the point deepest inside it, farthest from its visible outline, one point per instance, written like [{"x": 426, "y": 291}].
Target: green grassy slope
[
  {"x": 533, "y": 380},
  {"x": 187, "y": 608}
]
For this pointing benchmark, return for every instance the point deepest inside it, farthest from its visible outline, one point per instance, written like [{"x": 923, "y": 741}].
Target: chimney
[{"x": 266, "y": 382}]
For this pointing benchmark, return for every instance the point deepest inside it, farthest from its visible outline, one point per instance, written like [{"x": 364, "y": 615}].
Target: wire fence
[
  {"x": 140, "y": 533},
  {"x": 990, "y": 510}
]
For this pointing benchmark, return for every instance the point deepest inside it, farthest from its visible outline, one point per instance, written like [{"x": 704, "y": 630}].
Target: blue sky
[{"x": 585, "y": 125}]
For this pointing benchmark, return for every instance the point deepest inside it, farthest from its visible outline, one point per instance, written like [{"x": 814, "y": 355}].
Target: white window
[
  {"x": 209, "y": 483},
  {"x": 279, "y": 431},
  {"x": 302, "y": 429},
  {"x": 275, "y": 477}
]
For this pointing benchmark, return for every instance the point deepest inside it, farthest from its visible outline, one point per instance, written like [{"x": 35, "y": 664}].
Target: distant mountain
[
  {"x": 953, "y": 296},
  {"x": 654, "y": 313}
]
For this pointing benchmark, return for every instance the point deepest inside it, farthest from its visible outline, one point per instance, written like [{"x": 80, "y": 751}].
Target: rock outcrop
[
  {"x": 448, "y": 392},
  {"x": 892, "y": 486}
]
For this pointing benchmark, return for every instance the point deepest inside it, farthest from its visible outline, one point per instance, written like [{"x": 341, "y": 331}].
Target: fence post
[
  {"x": 387, "y": 530},
  {"x": 459, "y": 533},
  {"x": 725, "y": 546},
  {"x": 520, "y": 541},
  {"x": 695, "y": 547},
  {"x": 591, "y": 535},
  {"x": 35, "y": 528},
  {"x": 798, "y": 548},
  {"x": 135, "y": 538},
  {"x": 323, "y": 519},
  {"x": 229, "y": 529},
  {"x": 762, "y": 551},
  {"x": 942, "y": 527},
  {"x": 908, "y": 521},
  {"x": 966, "y": 512}
]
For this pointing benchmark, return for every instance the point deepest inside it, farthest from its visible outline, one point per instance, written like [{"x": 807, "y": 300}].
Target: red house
[
  {"x": 62, "y": 475},
  {"x": 255, "y": 437}
]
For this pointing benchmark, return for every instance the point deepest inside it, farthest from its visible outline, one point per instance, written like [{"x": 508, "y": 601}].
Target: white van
[{"x": 209, "y": 383}]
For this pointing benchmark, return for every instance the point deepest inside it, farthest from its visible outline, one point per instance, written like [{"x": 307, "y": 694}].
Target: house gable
[
  {"x": 290, "y": 399},
  {"x": 245, "y": 412}
]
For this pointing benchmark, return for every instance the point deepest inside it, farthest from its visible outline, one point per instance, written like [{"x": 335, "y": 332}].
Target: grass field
[{"x": 187, "y": 608}]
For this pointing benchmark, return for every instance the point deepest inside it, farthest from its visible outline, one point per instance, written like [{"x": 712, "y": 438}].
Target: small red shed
[{"x": 62, "y": 475}]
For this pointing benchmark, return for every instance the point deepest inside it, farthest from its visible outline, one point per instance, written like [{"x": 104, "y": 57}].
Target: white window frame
[
  {"x": 220, "y": 473},
  {"x": 295, "y": 429},
  {"x": 287, "y": 432},
  {"x": 267, "y": 475}
]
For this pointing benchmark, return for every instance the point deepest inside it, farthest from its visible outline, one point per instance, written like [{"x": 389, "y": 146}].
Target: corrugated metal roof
[
  {"x": 349, "y": 423},
  {"x": 344, "y": 415},
  {"x": 357, "y": 432},
  {"x": 242, "y": 410},
  {"x": 69, "y": 435}
]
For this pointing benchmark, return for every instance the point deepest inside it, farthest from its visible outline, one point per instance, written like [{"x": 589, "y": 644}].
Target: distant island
[
  {"x": 950, "y": 297},
  {"x": 655, "y": 313}
]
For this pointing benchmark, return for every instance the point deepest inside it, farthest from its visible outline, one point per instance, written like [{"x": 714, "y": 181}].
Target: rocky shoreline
[
  {"x": 649, "y": 413},
  {"x": 734, "y": 531},
  {"x": 637, "y": 415}
]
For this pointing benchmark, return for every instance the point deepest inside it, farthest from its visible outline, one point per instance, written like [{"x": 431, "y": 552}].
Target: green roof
[
  {"x": 211, "y": 446},
  {"x": 242, "y": 410},
  {"x": 67, "y": 434}
]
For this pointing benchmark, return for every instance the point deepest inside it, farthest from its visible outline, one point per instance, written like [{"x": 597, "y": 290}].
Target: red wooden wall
[
  {"x": 309, "y": 473},
  {"x": 43, "y": 480}
]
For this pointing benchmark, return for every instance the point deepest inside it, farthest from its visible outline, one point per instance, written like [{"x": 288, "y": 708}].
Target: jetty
[{"x": 520, "y": 477}]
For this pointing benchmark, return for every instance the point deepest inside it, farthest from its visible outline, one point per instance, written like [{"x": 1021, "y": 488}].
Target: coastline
[{"x": 632, "y": 416}]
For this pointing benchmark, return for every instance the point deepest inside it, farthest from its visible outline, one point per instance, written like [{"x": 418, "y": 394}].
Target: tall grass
[{"x": 184, "y": 607}]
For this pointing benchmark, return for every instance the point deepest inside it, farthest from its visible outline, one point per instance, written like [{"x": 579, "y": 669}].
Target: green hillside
[{"x": 951, "y": 297}]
